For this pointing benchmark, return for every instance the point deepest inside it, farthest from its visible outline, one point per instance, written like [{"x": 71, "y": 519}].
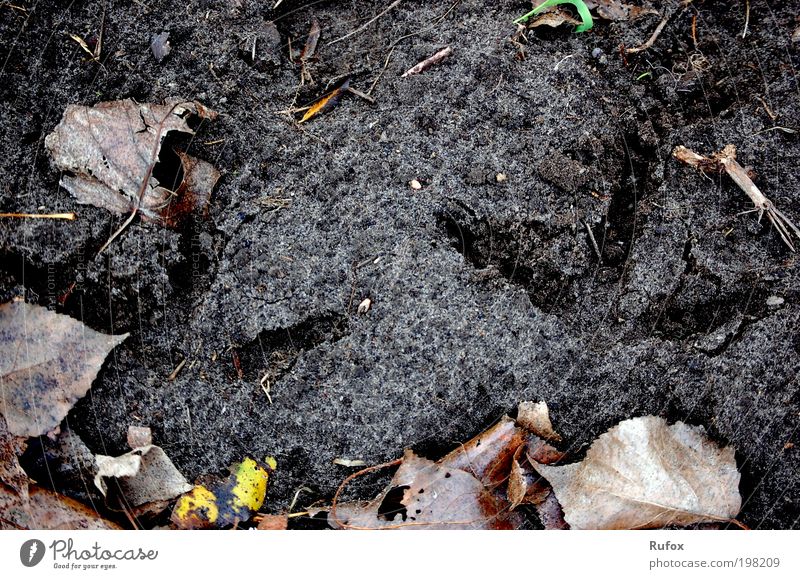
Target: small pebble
[
  {"x": 597, "y": 52},
  {"x": 364, "y": 306},
  {"x": 774, "y": 301},
  {"x": 501, "y": 178},
  {"x": 415, "y": 185}
]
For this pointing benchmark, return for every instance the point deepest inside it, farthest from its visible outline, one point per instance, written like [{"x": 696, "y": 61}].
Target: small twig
[
  {"x": 177, "y": 370},
  {"x": 653, "y": 37},
  {"x": 361, "y": 95},
  {"x": 429, "y": 62},
  {"x": 145, "y": 180},
  {"x": 594, "y": 241},
  {"x": 746, "y": 17},
  {"x": 69, "y": 216},
  {"x": 265, "y": 387},
  {"x": 363, "y": 26},
  {"x": 726, "y": 161},
  {"x": 392, "y": 46}
]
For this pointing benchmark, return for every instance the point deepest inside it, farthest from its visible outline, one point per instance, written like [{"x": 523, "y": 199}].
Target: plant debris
[
  {"x": 327, "y": 102},
  {"x": 51, "y": 362},
  {"x": 726, "y": 161},
  {"x": 551, "y": 15},
  {"x": 488, "y": 456},
  {"x": 144, "y": 475},
  {"x": 644, "y": 474},
  {"x": 535, "y": 417},
  {"x": 221, "y": 503},
  {"x": 426, "y": 495},
  {"x": 46, "y": 510},
  {"x": 11, "y": 473},
  {"x": 429, "y": 62},
  {"x": 108, "y": 152},
  {"x": 160, "y": 46}
]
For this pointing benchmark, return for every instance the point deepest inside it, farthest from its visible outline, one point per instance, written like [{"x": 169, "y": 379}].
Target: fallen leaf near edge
[
  {"x": 327, "y": 102},
  {"x": 273, "y": 523},
  {"x": 46, "y": 510},
  {"x": 643, "y": 473},
  {"x": 227, "y": 502},
  {"x": 107, "y": 151},
  {"x": 11, "y": 473},
  {"x": 50, "y": 361},
  {"x": 427, "y": 495},
  {"x": 144, "y": 475}
]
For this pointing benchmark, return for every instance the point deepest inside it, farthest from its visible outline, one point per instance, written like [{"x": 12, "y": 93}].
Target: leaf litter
[
  {"x": 50, "y": 363},
  {"x": 645, "y": 474},
  {"x": 143, "y": 475},
  {"x": 642, "y": 473},
  {"x": 108, "y": 153}
]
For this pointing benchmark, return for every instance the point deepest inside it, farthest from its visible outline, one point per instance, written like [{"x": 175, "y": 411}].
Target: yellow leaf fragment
[
  {"x": 227, "y": 502},
  {"x": 326, "y": 103}
]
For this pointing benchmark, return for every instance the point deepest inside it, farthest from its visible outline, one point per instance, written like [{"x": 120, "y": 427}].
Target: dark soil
[{"x": 484, "y": 293}]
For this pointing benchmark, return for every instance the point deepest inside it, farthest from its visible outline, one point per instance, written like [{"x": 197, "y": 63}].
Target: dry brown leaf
[
  {"x": 488, "y": 456},
  {"x": 273, "y": 523},
  {"x": 535, "y": 417},
  {"x": 47, "y": 510},
  {"x": 108, "y": 152},
  {"x": 143, "y": 475},
  {"x": 645, "y": 474},
  {"x": 50, "y": 363},
  {"x": 427, "y": 495},
  {"x": 554, "y": 19},
  {"x": 550, "y": 513},
  {"x": 11, "y": 473},
  {"x": 619, "y": 11}
]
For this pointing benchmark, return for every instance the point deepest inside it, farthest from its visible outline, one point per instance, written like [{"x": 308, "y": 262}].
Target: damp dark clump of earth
[{"x": 513, "y": 214}]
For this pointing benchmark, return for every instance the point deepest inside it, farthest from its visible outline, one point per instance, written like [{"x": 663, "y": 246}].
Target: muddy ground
[{"x": 484, "y": 293}]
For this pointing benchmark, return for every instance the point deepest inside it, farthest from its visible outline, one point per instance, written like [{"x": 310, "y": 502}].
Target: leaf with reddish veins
[
  {"x": 488, "y": 456},
  {"x": 427, "y": 495},
  {"x": 49, "y": 363}
]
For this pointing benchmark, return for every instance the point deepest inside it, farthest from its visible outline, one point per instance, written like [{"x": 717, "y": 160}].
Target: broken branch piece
[
  {"x": 726, "y": 161},
  {"x": 429, "y": 62}
]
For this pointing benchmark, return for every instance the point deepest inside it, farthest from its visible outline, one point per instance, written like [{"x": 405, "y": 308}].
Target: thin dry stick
[
  {"x": 746, "y": 18},
  {"x": 363, "y": 26},
  {"x": 726, "y": 161},
  {"x": 69, "y": 216},
  {"x": 594, "y": 241},
  {"x": 652, "y": 39},
  {"x": 392, "y": 46},
  {"x": 429, "y": 62},
  {"x": 145, "y": 180}
]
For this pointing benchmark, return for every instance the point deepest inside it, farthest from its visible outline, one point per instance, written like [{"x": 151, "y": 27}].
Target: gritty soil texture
[{"x": 484, "y": 293}]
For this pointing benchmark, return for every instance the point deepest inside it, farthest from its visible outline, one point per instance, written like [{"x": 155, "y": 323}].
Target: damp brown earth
[{"x": 553, "y": 250}]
